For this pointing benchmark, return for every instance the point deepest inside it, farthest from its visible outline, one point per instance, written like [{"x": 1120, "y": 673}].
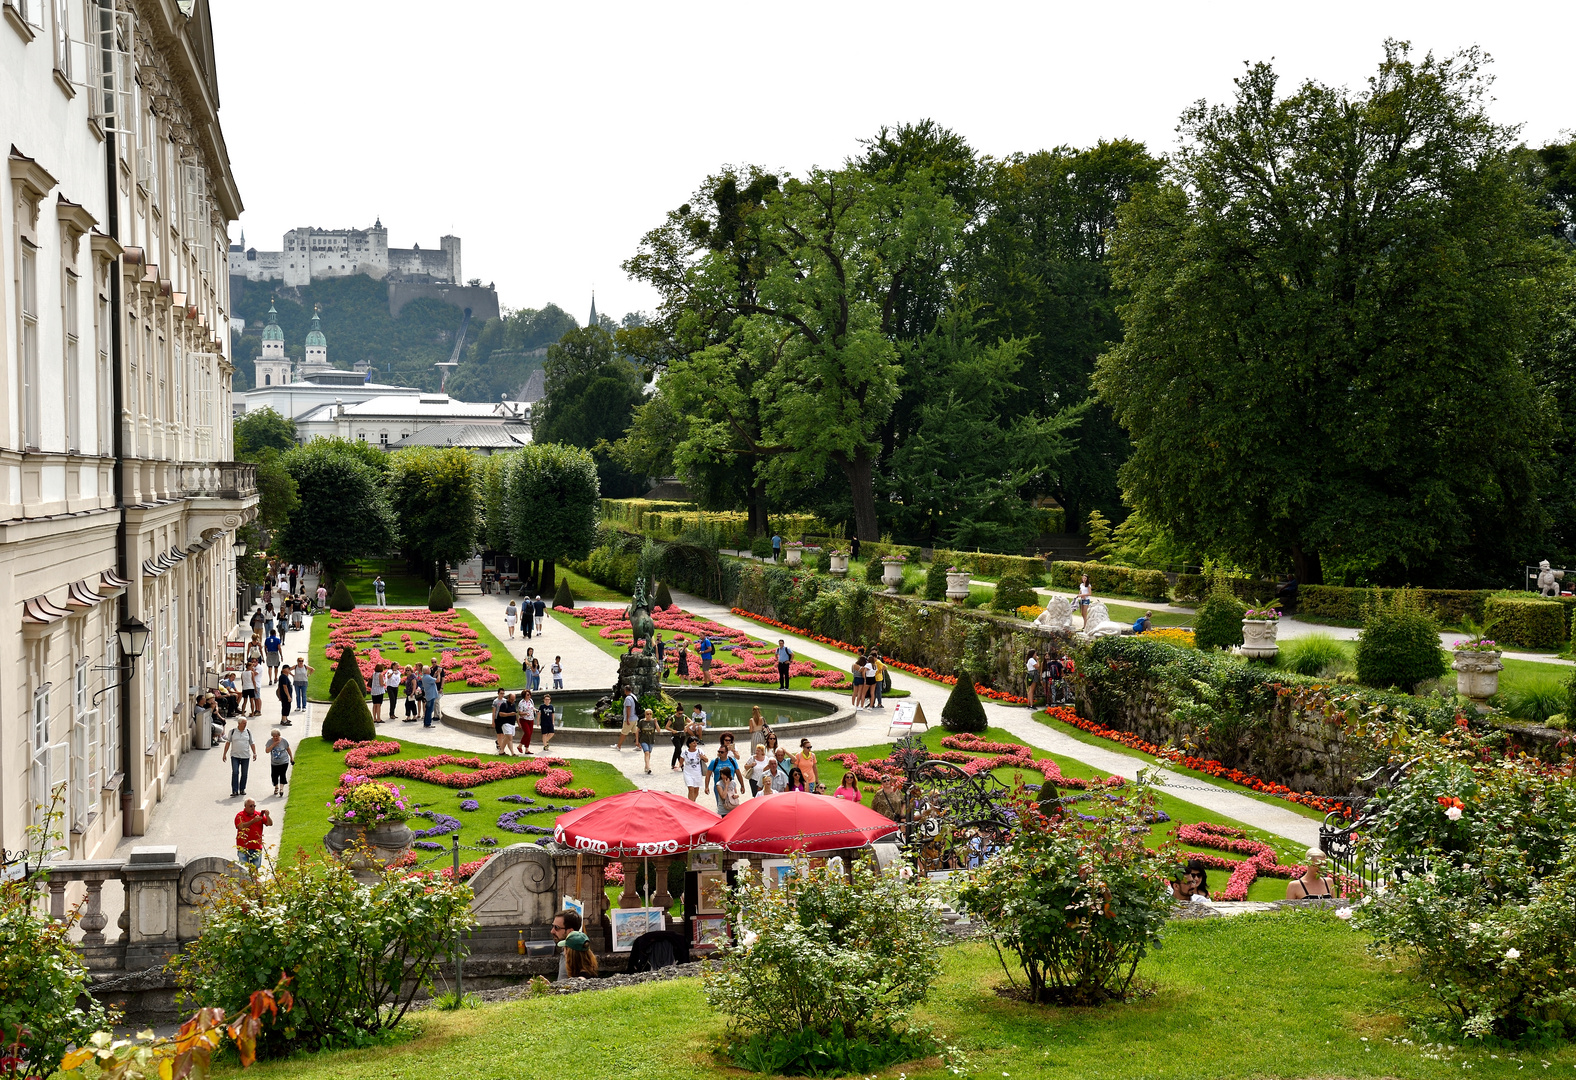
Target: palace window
[{"x": 31, "y": 407}]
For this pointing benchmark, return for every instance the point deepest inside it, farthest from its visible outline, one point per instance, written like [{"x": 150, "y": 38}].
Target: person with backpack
[{"x": 705, "y": 650}]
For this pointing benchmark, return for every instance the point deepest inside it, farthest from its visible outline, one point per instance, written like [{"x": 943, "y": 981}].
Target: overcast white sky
[{"x": 549, "y": 137}]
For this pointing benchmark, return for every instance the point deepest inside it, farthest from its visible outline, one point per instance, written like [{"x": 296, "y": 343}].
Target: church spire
[{"x": 593, "y": 321}]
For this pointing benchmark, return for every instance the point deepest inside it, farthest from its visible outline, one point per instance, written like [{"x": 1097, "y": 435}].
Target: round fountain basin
[{"x": 791, "y": 715}]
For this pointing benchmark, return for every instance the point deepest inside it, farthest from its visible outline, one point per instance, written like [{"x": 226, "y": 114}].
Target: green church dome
[
  {"x": 271, "y": 332},
  {"x": 315, "y": 336}
]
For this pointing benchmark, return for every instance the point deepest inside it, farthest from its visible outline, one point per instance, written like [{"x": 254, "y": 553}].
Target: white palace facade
[{"x": 118, "y": 507}]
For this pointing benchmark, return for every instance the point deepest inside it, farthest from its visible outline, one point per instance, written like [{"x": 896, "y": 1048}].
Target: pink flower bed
[
  {"x": 553, "y": 783},
  {"x": 466, "y": 660},
  {"x": 974, "y": 754},
  {"x": 739, "y": 656},
  {"x": 1261, "y": 859}
]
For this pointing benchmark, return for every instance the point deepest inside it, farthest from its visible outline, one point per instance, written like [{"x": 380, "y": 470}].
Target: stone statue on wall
[
  {"x": 1548, "y": 580},
  {"x": 1058, "y": 614}
]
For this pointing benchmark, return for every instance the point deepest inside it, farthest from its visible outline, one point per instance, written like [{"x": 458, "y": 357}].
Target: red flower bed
[
  {"x": 913, "y": 669},
  {"x": 554, "y": 776},
  {"x": 974, "y": 754},
  {"x": 1203, "y": 765},
  {"x": 466, "y": 660},
  {"x": 752, "y": 661}
]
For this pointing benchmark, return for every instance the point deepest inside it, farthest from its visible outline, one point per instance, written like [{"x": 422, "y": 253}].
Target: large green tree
[
  {"x": 260, "y": 429},
  {"x": 436, "y": 496},
  {"x": 589, "y": 400},
  {"x": 1330, "y": 297},
  {"x": 343, "y": 515},
  {"x": 552, "y": 503}
]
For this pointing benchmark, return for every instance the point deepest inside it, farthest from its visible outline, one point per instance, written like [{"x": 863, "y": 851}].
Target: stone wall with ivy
[
  {"x": 942, "y": 637},
  {"x": 1309, "y": 734}
]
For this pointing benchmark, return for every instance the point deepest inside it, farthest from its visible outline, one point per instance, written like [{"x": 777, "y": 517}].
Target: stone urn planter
[
  {"x": 839, "y": 563},
  {"x": 1258, "y": 638},
  {"x": 958, "y": 586},
  {"x": 795, "y": 556},
  {"x": 1477, "y": 674},
  {"x": 891, "y": 574},
  {"x": 368, "y": 851}
]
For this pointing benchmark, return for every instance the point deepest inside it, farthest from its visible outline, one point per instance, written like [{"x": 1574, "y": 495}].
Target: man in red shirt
[{"x": 249, "y": 833}]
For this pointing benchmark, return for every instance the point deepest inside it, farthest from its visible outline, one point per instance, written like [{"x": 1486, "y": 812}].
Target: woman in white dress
[
  {"x": 511, "y": 616},
  {"x": 694, "y": 764}
]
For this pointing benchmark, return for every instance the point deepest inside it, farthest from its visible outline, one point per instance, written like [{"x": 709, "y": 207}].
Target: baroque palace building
[{"x": 118, "y": 507}]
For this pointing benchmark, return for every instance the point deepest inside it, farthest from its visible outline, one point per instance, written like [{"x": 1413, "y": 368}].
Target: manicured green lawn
[
  {"x": 585, "y": 589},
  {"x": 318, "y": 768},
  {"x": 401, "y": 587},
  {"x": 1182, "y": 812},
  {"x": 1285, "y": 995},
  {"x": 768, "y": 634},
  {"x": 503, "y": 662}
]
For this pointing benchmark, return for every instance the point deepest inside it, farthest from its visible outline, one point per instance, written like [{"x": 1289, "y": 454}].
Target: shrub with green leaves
[
  {"x": 356, "y": 955},
  {"x": 1078, "y": 898},
  {"x": 827, "y": 953},
  {"x": 874, "y": 571},
  {"x": 340, "y": 599},
  {"x": 41, "y": 977},
  {"x": 936, "y": 581},
  {"x": 440, "y": 599},
  {"x": 1524, "y": 621},
  {"x": 761, "y": 547},
  {"x": 347, "y": 669},
  {"x": 1314, "y": 654},
  {"x": 348, "y": 717},
  {"x": 963, "y": 711},
  {"x": 1479, "y": 870},
  {"x": 1399, "y": 645},
  {"x": 563, "y": 598},
  {"x": 1218, "y": 624},
  {"x": 664, "y": 596},
  {"x": 1012, "y": 593}
]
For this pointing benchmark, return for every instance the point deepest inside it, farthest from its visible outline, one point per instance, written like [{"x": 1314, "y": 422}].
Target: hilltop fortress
[{"x": 313, "y": 254}]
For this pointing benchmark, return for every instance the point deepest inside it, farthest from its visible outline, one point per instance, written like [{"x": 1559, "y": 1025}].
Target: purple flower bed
[
  {"x": 487, "y": 841},
  {"x": 524, "y": 799},
  {"x": 510, "y": 820},
  {"x": 443, "y": 824},
  {"x": 427, "y": 845},
  {"x": 470, "y": 804}
]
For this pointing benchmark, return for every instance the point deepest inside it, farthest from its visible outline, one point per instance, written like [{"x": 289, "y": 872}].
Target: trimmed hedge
[
  {"x": 1218, "y": 624},
  {"x": 440, "y": 599},
  {"x": 986, "y": 564},
  {"x": 668, "y": 520},
  {"x": 1012, "y": 593},
  {"x": 1123, "y": 580},
  {"x": 563, "y": 598},
  {"x": 1446, "y": 605},
  {"x": 340, "y": 599},
  {"x": 1193, "y": 587},
  {"x": 1531, "y": 624},
  {"x": 1399, "y": 645}
]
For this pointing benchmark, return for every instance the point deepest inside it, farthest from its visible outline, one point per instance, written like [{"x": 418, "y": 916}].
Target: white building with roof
[
  {"x": 319, "y": 382},
  {"x": 392, "y": 418}
]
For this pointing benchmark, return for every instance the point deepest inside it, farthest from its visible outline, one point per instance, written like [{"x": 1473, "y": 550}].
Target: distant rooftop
[{"x": 468, "y": 436}]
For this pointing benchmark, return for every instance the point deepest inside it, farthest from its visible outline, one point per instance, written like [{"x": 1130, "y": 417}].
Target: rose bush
[{"x": 1478, "y": 850}]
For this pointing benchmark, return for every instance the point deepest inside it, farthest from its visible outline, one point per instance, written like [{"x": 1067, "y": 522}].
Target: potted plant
[
  {"x": 839, "y": 557},
  {"x": 957, "y": 584},
  {"x": 892, "y": 570},
  {"x": 1477, "y": 668},
  {"x": 1258, "y": 633},
  {"x": 795, "y": 552},
  {"x": 368, "y": 825}
]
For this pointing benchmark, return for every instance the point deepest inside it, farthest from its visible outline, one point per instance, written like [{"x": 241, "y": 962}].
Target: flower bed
[
  {"x": 1203, "y": 765},
  {"x": 1171, "y": 635},
  {"x": 753, "y": 661},
  {"x": 913, "y": 669},
  {"x": 367, "y": 630},
  {"x": 552, "y": 784},
  {"x": 974, "y": 755}
]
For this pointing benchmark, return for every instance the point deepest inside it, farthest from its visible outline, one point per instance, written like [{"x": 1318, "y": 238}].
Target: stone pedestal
[
  {"x": 958, "y": 587},
  {"x": 795, "y": 556},
  {"x": 1258, "y": 638},
  {"x": 152, "y": 877},
  {"x": 1477, "y": 674},
  {"x": 642, "y": 673},
  {"x": 839, "y": 564}
]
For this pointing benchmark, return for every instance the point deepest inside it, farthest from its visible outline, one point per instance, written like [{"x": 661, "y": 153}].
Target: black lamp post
[{"x": 132, "y": 635}]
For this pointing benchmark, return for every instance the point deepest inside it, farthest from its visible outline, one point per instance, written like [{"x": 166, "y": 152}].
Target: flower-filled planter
[
  {"x": 368, "y": 826},
  {"x": 795, "y": 553},
  {"x": 1477, "y": 669},
  {"x": 957, "y": 585},
  {"x": 839, "y": 561},
  {"x": 892, "y": 571},
  {"x": 1258, "y": 634}
]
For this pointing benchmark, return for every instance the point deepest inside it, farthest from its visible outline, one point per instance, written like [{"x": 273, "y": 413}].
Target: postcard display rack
[{"x": 705, "y": 917}]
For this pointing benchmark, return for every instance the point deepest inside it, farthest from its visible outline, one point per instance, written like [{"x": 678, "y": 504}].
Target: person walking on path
[
  {"x": 683, "y": 662},
  {"x": 784, "y": 658},
  {"x": 251, "y": 699},
  {"x": 375, "y": 687},
  {"x": 391, "y": 681},
  {"x": 284, "y": 690},
  {"x": 511, "y": 617},
  {"x": 412, "y": 685},
  {"x": 705, "y": 650},
  {"x": 646, "y": 735},
  {"x": 777, "y": 548},
  {"x": 525, "y": 615},
  {"x": 505, "y": 715},
  {"x": 545, "y": 720},
  {"x": 675, "y": 728},
  {"x": 694, "y": 767},
  {"x": 527, "y": 725},
  {"x": 322, "y": 598},
  {"x": 378, "y": 591},
  {"x": 272, "y": 645},
  {"x": 280, "y": 758},
  {"x": 558, "y": 673},
  {"x": 1031, "y": 676},
  {"x": 249, "y": 834},
  {"x": 882, "y": 678},
  {"x": 721, "y": 766},
  {"x": 430, "y": 693},
  {"x": 539, "y": 610},
  {"x": 628, "y": 727},
  {"x": 241, "y": 749}
]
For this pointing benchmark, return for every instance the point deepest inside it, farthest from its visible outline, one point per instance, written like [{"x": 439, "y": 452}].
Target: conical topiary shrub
[
  {"x": 963, "y": 711},
  {"x": 663, "y": 599},
  {"x": 348, "y": 669},
  {"x": 440, "y": 599},
  {"x": 348, "y": 717},
  {"x": 563, "y": 598},
  {"x": 340, "y": 599}
]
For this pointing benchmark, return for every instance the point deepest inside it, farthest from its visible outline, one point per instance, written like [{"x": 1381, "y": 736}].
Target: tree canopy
[
  {"x": 589, "y": 399},
  {"x": 260, "y": 429},
  {"x": 1330, "y": 298},
  {"x": 345, "y": 517},
  {"x": 436, "y": 497},
  {"x": 552, "y": 503}
]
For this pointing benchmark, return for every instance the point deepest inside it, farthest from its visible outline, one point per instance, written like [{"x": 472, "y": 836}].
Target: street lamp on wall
[
  {"x": 132, "y": 635},
  {"x": 240, "y": 548}
]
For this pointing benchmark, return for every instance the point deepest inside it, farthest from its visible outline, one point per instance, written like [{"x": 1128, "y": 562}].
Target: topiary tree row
[
  {"x": 963, "y": 711},
  {"x": 348, "y": 717},
  {"x": 340, "y": 599},
  {"x": 346, "y": 669}
]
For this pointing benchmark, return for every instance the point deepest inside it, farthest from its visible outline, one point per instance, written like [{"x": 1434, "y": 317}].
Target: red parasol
[
  {"x": 793, "y": 821},
  {"x": 636, "y": 823}
]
